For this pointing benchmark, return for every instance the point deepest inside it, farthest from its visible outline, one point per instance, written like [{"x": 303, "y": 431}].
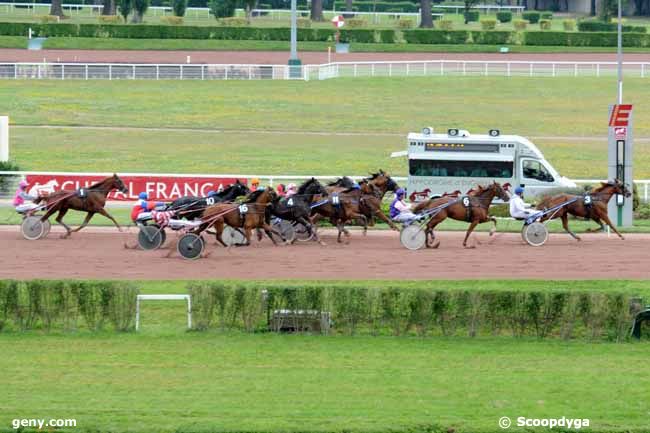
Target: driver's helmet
[
  {"x": 519, "y": 190},
  {"x": 143, "y": 196},
  {"x": 23, "y": 184},
  {"x": 400, "y": 192},
  {"x": 212, "y": 193}
]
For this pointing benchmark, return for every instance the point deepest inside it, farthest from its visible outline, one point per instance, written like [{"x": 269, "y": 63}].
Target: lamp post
[
  {"x": 619, "y": 54},
  {"x": 294, "y": 61}
]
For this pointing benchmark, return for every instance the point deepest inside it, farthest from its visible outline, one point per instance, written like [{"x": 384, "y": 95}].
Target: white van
[{"x": 458, "y": 160}]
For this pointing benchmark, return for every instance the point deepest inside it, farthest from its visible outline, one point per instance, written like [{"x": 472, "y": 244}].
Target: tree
[
  {"x": 592, "y": 9},
  {"x": 469, "y": 4},
  {"x": 609, "y": 9},
  {"x": 179, "y": 7},
  {"x": 249, "y": 5},
  {"x": 426, "y": 20},
  {"x": 139, "y": 8},
  {"x": 56, "y": 9},
  {"x": 125, "y": 7},
  {"x": 317, "y": 10},
  {"x": 222, "y": 8},
  {"x": 109, "y": 7},
  {"x": 348, "y": 5}
]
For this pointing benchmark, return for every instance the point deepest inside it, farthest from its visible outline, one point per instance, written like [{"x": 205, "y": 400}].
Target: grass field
[
  {"x": 177, "y": 381},
  {"x": 234, "y": 119}
]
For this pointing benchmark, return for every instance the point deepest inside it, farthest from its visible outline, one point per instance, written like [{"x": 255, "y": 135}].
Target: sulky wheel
[
  {"x": 413, "y": 237},
  {"x": 302, "y": 233},
  {"x": 32, "y": 228},
  {"x": 285, "y": 229},
  {"x": 190, "y": 246},
  {"x": 47, "y": 226},
  {"x": 535, "y": 234},
  {"x": 150, "y": 237},
  {"x": 231, "y": 236}
]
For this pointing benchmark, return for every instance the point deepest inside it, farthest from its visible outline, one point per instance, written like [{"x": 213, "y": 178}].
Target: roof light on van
[
  {"x": 427, "y": 130},
  {"x": 452, "y": 132},
  {"x": 494, "y": 133}
]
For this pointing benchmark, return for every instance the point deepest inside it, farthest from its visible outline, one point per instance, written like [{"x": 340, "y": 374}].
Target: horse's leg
[
  {"x": 493, "y": 230},
  {"x": 59, "y": 219},
  {"x": 102, "y": 211},
  {"x": 565, "y": 224},
  {"x": 472, "y": 225},
  {"x": 431, "y": 225},
  {"x": 605, "y": 218},
  {"x": 385, "y": 219},
  {"x": 311, "y": 229},
  {"x": 89, "y": 215},
  {"x": 270, "y": 231}
]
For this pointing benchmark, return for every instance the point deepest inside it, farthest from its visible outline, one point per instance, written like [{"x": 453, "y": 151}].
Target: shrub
[
  {"x": 303, "y": 23},
  {"x": 387, "y": 36},
  {"x": 504, "y": 16},
  {"x": 488, "y": 24},
  {"x": 109, "y": 19},
  {"x": 520, "y": 25},
  {"x": 355, "y": 23},
  {"x": 48, "y": 19},
  {"x": 491, "y": 37},
  {"x": 364, "y": 36},
  {"x": 173, "y": 20},
  {"x": 531, "y": 17},
  {"x": 436, "y": 36},
  {"x": 547, "y": 38},
  {"x": 405, "y": 24},
  {"x": 546, "y": 15},
  {"x": 179, "y": 6},
  {"x": 471, "y": 16},
  {"x": 445, "y": 24},
  {"x": 233, "y": 22},
  {"x": 569, "y": 25},
  {"x": 222, "y": 8},
  {"x": 545, "y": 24},
  {"x": 600, "y": 26}
]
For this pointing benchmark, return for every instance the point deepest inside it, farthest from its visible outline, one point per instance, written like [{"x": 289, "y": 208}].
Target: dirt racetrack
[{"x": 99, "y": 253}]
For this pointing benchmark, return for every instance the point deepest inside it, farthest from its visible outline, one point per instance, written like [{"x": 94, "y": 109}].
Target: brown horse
[
  {"x": 90, "y": 200},
  {"x": 340, "y": 207},
  {"x": 473, "y": 210},
  {"x": 580, "y": 207},
  {"x": 251, "y": 214}
]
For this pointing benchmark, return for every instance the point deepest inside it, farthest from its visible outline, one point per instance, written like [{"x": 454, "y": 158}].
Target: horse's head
[
  {"x": 239, "y": 189},
  {"x": 311, "y": 187},
  {"x": 118, "y": 184},
  {"x": 383, "y": 181},
  {"x": 499, "y": 191},
  {"x": 621, "y": 188}
]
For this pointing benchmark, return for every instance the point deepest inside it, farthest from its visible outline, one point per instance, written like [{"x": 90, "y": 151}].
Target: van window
[
  {"x": 533, "y": 169},
  {"x": 493, "y": 169}
]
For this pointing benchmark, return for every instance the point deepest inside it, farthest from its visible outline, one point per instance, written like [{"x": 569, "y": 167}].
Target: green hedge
[
  {"x": 599, "y": 26},
  {"x": 492, "y": 37},
  {"x": 531, "y": 17},
  {"x": 471, "y": 16},
  {"x": 361, "y": 308},
  {"x": 368, "y": 6},
  {"x": 592, "y": 39},
  {"x": 66, "y": 305},
  {"x": 436, "y": 36},
  {"x": 504, "y": 16}
]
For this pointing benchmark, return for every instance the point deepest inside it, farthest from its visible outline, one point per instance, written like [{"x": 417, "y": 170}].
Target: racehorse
[
  {"x": 90, "y": 200},
  {"x": 298, "y": 206},
  {"x": 251, "y": 214},
  {"x": 472, "y": 208},
  {"x": 591, "y": 206},
  {"x": 190, "y": 207}
]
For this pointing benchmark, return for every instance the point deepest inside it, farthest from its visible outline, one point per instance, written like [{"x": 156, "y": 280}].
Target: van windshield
[
  {"x": 427, "y": 167},
  {"x": 533, "y": 169}
]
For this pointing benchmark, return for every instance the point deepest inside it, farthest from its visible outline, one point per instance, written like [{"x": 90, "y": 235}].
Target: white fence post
[
  {"x": 86, "y": 72},
  {"x": 181, "y": 72},
  {"x": 509, "y": 69},
  {"x": 157, "y": 72},
  {"x": 642, "y": 70},
  {"x": 110, "y": 72}
]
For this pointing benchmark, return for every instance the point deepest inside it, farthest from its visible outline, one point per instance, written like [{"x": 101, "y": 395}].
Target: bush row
[
  {"x": 66, "y": 305},
  {"x": 423, "y": 312},
  {"x": 414, "y": 36},
  {"x": 600, "y": 26}
]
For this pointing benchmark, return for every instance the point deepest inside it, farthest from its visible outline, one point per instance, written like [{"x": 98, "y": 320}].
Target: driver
[
  {"x": 21, "y": 197},
  {"x": 518, "y": 208},
  {"x": 143, "y": 206},
  {"x": 400, "y": 210}
]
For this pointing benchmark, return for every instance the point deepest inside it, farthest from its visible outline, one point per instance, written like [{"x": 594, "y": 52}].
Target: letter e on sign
[{"x": 620, "y": 115}]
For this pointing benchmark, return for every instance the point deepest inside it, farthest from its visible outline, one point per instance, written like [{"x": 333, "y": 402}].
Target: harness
[
  {"x": 467, "y": 203},
  {"x": 588, "y": 202},
  {"x": 552, "y": 211}
]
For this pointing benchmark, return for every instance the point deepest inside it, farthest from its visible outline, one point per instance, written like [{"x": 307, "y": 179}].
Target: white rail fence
[
  {"x": 193, "y": 71},
  {"x": 643, "y": 185}
]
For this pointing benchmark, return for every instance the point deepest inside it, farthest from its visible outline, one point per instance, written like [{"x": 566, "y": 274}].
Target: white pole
[
  {"x": 189, "y": 312},
  {"x": 137, "y": 313},
  {"x": 4, "y": 138}
]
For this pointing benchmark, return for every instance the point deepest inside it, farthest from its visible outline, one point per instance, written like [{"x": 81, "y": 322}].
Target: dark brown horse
[
  {"x": 90, "y": 200},
  {"x": 251, "y": 214},
  {"x": 472, "y": 208},
  {"x": 591, "y": 206}
]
